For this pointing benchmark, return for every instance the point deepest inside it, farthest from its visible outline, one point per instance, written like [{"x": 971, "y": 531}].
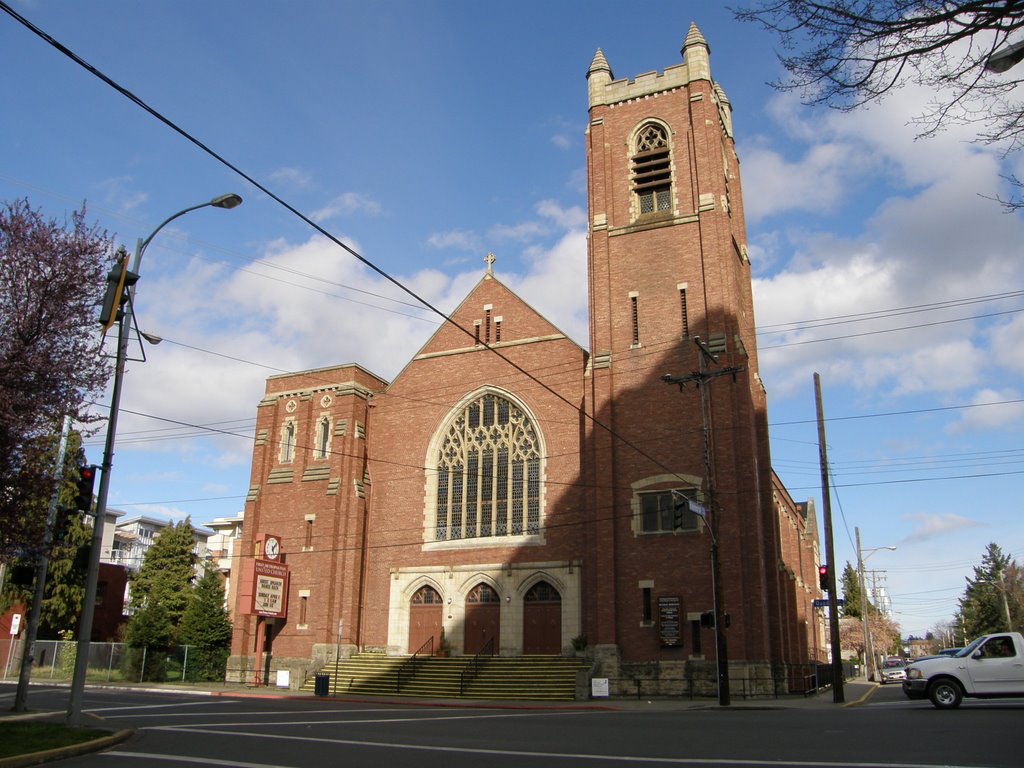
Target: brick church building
[{"x": 512, "y": 491}]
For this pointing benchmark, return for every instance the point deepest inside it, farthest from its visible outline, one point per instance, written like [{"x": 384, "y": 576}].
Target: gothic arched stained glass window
[{"x": 488, "y": 472}]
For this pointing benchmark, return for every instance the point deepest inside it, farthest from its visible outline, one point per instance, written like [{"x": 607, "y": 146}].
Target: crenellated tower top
[{"x": 605, "y": 90}]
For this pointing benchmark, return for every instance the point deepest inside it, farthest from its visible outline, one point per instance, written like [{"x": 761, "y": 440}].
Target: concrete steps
[{"x": 533, "y": 678}]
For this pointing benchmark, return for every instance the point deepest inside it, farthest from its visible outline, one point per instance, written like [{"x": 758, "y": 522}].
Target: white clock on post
[{"x": 270, "y": 546}]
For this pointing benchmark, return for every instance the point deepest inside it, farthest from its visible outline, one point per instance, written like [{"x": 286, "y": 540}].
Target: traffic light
[
  {"x": 86, "y": 479},
  {"x": 707, "y": 619},
  {"x": 62, "y": 524},
  {"x": 823, "y": 577},
  {"x": 118, "y": 280}
]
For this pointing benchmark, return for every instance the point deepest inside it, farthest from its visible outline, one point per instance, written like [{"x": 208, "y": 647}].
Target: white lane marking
[
  {"x": 199, "y": 760},
  {"x": 260, "y": 712},
  {"x": 204, "y": 703},
  {"x": 701, "y": 761},
  {"x": 354, "y": 721}
]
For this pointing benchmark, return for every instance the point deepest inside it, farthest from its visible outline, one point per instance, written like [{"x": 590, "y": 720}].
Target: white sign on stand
[
  {"x": 599, "y": 688},
  {"x": 15, "y": 623},
  {"x": 283, "y": 678}
]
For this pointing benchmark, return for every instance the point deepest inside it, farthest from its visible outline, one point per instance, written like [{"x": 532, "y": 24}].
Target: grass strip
[{"x": 26, "y": 736}]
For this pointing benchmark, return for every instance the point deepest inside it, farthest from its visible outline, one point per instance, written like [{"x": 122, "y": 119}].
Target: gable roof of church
[{"x": 521, "y": 324}]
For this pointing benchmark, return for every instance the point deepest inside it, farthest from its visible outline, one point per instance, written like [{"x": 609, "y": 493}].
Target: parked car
[{"x": 893, "y": 671}]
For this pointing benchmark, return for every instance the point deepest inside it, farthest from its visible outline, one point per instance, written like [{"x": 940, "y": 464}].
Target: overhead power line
[{"x": 314, "y": 225}]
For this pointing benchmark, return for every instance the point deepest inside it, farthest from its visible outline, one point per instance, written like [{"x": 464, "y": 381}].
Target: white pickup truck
[{"x": 990, "y": 667}]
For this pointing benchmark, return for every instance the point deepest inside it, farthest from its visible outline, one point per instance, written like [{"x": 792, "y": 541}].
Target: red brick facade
[{"x": 506, "y": 485}]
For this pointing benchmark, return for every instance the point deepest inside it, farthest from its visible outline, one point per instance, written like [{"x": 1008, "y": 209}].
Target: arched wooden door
[
  {"x": 542, "y": 620},
  {"x": 425, "y": 615},
  {"x": 483, "y": 619}
]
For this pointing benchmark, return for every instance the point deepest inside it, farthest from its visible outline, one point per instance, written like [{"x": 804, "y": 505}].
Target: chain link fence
[{"x": 55, "y": 660}]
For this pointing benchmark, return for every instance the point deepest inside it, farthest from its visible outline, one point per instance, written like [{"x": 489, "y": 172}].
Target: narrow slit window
[
  {"x": 635, "y": 319},
  {"x": 497, "y": 330},
  {"x": 487, "y": 325},
  {"x": 647, "y": 613},
  {"x": 682, "y": 313}
]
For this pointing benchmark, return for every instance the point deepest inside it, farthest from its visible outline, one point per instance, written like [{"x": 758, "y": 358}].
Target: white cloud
[
  {"x": 119, "y": 195},
  {"x": 996, "y": 411},
  {"x": 1008, "y": 338},
  {"x": 816, "y": 183},
  {"x": 294, "y": 178},
  {"x": 458, "y": 239},
  {"x": 928, "y": 526},
  {"x": 345, "y": 205}
]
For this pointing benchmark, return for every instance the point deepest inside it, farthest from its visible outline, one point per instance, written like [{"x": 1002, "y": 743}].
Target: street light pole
[
  {"x": 92, "y": 575},
  {"x": 870, "y": 662}
]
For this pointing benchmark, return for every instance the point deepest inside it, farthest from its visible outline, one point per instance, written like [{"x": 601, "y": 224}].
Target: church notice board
[
  {"x": 270, "y": 589},
  {"x": 668, "y": 622}
]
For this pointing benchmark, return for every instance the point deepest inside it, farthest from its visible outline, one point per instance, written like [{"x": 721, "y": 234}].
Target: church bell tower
[{"x": 669, "y": 283}]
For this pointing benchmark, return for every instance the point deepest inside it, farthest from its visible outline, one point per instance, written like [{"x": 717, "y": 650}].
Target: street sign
[{"x": 823, "y": 603}]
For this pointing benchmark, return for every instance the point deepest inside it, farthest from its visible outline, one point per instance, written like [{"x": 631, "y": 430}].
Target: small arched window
[
  {"x": 426, "y": 595},
  {"x": 488, "y": 472},
  {"x": 287, "y": 442},
  {"x": 652, "y": 171},
  {"x": 323, "y": 437},
  {"x": 483, "y": 593}
]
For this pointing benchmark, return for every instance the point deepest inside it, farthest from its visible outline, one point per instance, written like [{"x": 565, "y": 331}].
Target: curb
[{"x": 61, "y": 753}]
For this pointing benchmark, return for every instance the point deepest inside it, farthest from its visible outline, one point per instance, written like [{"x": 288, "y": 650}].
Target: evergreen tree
[
  {"x": 205, "y": 628},
  {"x": 149, "y": 635},
  {"x": 66, "y": 571},
  {"x": 851, "y": 592},
  {"x": 166, "y": 575},
  {"x": 982, "y": 607}
]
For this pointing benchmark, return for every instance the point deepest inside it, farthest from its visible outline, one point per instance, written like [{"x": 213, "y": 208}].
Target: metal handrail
[
  {"x": 412, "y": 663},
  {"x": 471, "y": 670}
]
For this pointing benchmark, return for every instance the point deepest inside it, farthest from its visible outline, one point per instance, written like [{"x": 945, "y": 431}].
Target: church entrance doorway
[
  {"x": 542, "y": 620},
  {"x": 426, "y": 612},
  {"x": 483, "y": 619}
]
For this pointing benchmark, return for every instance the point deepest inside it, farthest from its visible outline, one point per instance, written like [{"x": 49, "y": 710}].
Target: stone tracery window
[
  {"x": 651, "y": 170},
  {"x": 488, "y": 473}
]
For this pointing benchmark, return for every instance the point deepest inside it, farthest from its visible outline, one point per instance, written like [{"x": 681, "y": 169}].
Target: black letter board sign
[{"x": 668, "y": 621}]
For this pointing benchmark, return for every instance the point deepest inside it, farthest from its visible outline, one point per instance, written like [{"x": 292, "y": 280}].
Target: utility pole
[
  {"x": 42, "y": 563},
  {"x": 701, "y": 377},
  {"x": 870, "y": 665},
  {"x": 830, "y": 558}
]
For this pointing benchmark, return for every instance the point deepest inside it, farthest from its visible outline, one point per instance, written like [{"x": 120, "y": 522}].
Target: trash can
[{"x": 321, "y": 684}]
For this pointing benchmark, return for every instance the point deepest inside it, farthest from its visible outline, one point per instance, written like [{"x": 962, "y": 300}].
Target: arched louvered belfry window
[
  {"x": 489, "y": 470},
  {"x": 652, "y": 170}
]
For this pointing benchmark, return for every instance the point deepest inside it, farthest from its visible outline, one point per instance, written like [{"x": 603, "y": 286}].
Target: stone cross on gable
[{"x": 489, "y": 260}]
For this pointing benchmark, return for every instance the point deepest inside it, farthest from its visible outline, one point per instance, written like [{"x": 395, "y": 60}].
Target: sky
[{"x": 424, "y": 134}]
